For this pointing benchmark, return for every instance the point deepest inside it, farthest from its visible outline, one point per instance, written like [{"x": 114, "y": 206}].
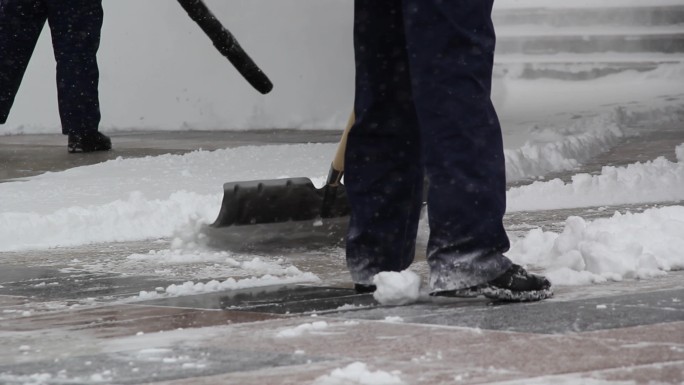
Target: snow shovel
[{"x": 286, "y": 200}]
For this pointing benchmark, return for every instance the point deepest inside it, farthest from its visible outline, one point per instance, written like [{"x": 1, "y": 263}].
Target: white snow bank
[
  {"x": 140, "y": 198},
  {"x": 396, "y": 288},
  {"x": 624, "y": 246},
  {"x": 358, "y": 373},
  {"x": 131, "y": 219},
  {"x": 157, "y": 177},
  {"x": 559, "y": 149},
  {"x": 655, "y": 181}
]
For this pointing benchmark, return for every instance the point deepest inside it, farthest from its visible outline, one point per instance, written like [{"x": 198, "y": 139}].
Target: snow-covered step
[
  {"x": 551, "y": 44},
  {"x": 602, "y": 13},
  {"x": 573, "y": 70},
  {"x": 584, "y": 40}
]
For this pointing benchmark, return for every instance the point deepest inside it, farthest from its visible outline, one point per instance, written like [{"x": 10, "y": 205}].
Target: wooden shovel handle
[
  {"x": 337, "y": 167},
  {"x": 338, "y": 161}
]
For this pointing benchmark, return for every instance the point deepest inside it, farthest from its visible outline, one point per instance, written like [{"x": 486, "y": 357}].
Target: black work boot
[
  {"x": 90, "y": 142},
  {"x": 517, "y": 285}
]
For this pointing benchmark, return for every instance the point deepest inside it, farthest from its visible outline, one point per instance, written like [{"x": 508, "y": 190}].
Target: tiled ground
[{"x": 296, "y": 334}]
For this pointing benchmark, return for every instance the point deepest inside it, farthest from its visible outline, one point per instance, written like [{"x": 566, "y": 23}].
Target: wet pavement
[
  {"x": 295, "y": 334},
  {"x": 75, "y": 316}
]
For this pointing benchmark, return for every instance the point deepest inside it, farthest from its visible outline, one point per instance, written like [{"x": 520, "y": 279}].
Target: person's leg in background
[
  {"x": 76, "y": 28},
  {"x": 383, "y": 173},
  {"x": 21, "y": 22}
]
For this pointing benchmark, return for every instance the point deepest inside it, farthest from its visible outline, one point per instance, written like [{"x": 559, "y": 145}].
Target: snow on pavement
[
  {"x": 358, "y": 373},
  {"x": 137, "y": 199},
  {"x": 302, "y": 329},
  {"x": 154, "y": 197},
  {"x": 191, "y": 288}
]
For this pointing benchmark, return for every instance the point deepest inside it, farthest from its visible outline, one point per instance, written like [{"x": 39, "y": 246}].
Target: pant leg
[
  {"x": 451, "y": 46},
  {"x": 76, "y": 26},
  {"x": 383, "y": 175},
  {"x": 21, "y": 22}
]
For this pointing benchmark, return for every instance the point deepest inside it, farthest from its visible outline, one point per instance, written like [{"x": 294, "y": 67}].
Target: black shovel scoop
[{"x": 286, "y": 200}]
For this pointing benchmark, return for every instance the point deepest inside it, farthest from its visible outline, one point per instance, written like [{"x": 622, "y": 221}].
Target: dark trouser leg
[
  {"x": 451, "y": 46},
  {"x": 75, "y": 27},
  {"x": 383, "y": 175},
  {"x": 20, "y": 24}
]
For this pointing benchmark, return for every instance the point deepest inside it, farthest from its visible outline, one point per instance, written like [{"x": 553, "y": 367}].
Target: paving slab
[{"x": 547, "y": 317}]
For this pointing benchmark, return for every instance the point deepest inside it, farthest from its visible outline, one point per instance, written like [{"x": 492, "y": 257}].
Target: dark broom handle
[{"x": 226, "y": 44}]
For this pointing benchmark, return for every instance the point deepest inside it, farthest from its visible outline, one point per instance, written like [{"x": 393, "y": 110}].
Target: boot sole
[{"x": 506, "y": 295}]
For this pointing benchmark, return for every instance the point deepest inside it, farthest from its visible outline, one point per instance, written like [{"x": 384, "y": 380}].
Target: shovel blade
[{"x": 277, "y": 201}]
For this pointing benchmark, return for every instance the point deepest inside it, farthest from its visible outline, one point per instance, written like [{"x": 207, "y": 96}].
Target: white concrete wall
[{"x": 158, "y": 70}]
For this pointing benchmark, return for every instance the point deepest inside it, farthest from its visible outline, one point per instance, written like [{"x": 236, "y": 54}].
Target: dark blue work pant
[
  {"x": 75, "y": 27},
  {"x": 423, "y": 108}
]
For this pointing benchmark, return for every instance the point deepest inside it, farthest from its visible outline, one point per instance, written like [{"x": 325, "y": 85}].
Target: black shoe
[
  {"x": 517, "y": 285},
  {"x": 90, "y": 142},
  {"x": 364, "y": 289}
]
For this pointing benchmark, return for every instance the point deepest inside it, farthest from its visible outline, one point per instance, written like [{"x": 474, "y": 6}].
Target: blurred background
[{"x": 556, "y": 59}]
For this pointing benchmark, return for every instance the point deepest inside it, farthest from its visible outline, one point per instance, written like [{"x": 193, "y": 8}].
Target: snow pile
[
  {"x": 624, "y": 246},
  {"x": 157, "y": 177},
  {"x": 560, "y": 149},
  {"x": 293, "y": 275},
  {"x": 655, "y": 181},
  {"x": 302, "y": 329},
  {"x": 130, "y": 219},
  {"x": 358, "y": 373},
  {"x": 397, "y": 288},
  {"x": 141, "y": 198}
]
